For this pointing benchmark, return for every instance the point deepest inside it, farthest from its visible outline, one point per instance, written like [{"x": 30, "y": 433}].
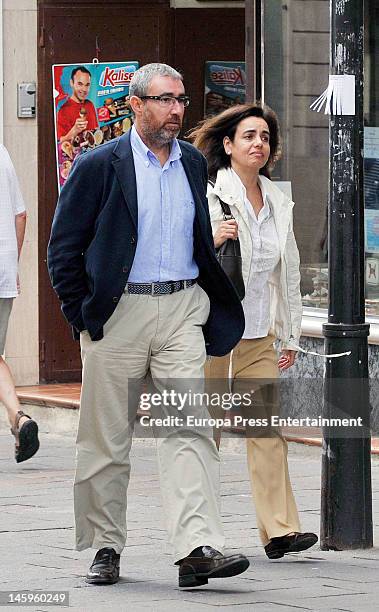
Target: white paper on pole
[{"x": 339, "y": 97}]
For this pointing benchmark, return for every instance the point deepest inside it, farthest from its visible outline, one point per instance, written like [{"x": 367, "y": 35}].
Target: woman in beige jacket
[{"x": 241, "y": 145}]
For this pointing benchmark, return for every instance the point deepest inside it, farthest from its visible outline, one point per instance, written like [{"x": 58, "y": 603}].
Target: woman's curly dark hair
[{"x": 209, "y": 135}]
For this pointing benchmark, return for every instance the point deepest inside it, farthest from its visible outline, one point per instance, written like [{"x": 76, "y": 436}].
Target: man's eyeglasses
[{"x": 168, "y": 101}]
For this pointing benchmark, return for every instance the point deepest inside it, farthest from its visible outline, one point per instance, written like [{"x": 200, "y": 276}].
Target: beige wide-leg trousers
[
  {"x": 266, "y": 451},
  {"x": 161, "y": 335}
]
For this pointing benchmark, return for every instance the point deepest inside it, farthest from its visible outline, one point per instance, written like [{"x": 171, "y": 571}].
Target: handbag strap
[
  {"x": 230, "y": 245},
  {"x": 226, "y": 210}
]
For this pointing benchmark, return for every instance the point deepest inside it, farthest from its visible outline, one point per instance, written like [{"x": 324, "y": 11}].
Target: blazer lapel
[
  {"x": 281, "y": 213},
  {"x": 228, "y": 189},
  {"x": 191, "y": 167},
  {"x": 124, "y": 168}
]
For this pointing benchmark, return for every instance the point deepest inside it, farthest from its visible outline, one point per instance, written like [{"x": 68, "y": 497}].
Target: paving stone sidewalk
[{"x": 36, "y": 540}]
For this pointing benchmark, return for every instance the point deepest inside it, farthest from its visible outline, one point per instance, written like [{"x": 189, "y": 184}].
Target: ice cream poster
[
  {"x": 90, "y": 108},
  {"x": 225, "y": 85}
]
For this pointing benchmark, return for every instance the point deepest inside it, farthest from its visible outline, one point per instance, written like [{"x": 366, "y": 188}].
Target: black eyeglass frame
[{"x": 181, "y": 99}]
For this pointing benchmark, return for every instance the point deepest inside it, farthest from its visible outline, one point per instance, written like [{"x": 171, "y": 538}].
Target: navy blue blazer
[{"x": 94, "y": 237}]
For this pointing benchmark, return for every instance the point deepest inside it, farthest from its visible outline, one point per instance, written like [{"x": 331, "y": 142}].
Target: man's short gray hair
[{"x": 142, "y": 78}]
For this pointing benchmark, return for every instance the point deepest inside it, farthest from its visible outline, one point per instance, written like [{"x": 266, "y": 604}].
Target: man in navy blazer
[
  {"x": 94, "y": 240},
  {"x": 132, "y": 260}
]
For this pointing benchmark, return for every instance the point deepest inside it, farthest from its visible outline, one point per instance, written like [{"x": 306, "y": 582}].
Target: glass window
[
  {"x": 371, "y": 155},
  {"x": 296, "y": 68}
]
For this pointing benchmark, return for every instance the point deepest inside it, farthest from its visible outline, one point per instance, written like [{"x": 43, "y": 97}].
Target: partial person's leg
[
  {"x": 27, "y": 442},
  {"x": 217, "y": 381},
  {"x": 267, "y": 456},
  {"x": 217, "y": 368},
  {"x": 8, "y": 394},
  {"x": 188, "y": 458},
  {"x": 7, "y": 388},
  {"x": 107, "y": 415}
]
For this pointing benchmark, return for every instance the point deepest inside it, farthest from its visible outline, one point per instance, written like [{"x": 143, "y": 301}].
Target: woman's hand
[
  {"x": 286, "y": 359},
  {"x": 226, "y": 229}
]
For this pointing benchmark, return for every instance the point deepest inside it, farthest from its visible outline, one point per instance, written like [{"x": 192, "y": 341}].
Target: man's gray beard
[{"x": 161, "y": 137}]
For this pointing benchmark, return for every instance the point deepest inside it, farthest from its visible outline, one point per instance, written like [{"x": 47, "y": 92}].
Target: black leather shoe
[
  {"x": 105, "y": 568},
  {"x": 209, "y": 563},
  {"x": 278, "y": 547}
]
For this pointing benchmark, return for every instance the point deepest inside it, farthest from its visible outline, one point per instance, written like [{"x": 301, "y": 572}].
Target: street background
[{"x": 37, "y": 539}]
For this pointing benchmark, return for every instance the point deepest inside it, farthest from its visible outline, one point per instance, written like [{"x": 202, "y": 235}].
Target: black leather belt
[{"x": 159, "y": 288}]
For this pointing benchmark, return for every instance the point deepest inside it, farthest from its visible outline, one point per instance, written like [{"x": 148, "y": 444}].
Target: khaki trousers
[
  {"x": 161, "y": 335},
  {"x": 267, "y": 456}
]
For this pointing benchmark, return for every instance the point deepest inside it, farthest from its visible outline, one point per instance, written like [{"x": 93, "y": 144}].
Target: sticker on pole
[{"x": 339, "y": 97}]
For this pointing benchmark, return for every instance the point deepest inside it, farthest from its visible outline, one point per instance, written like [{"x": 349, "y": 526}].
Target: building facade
[{"x": 185, "y": 33}]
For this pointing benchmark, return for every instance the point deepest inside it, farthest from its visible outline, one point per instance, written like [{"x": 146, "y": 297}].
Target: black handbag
[{"x": 229, "y": 256}]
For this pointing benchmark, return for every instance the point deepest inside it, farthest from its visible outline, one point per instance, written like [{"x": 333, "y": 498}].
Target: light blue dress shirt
[{"x": 166, "y": 212}]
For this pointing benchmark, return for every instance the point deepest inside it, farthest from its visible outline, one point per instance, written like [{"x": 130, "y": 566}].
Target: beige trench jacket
[{"x": 285, "y": 297}]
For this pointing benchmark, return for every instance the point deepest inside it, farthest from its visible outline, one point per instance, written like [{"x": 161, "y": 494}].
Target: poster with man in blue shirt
[{"x": 132, "y": 260}]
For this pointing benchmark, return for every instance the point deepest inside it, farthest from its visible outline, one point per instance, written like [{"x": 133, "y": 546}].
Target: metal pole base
[{"x": 346, "y": 499}]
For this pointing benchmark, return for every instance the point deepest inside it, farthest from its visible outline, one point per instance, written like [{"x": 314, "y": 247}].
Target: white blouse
[
  {"x": 11, "y": 204},
  {"x": 265, "y": 257}
]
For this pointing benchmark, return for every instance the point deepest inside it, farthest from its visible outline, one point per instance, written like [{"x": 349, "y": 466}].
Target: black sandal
[{"x": 27, "y": 443}]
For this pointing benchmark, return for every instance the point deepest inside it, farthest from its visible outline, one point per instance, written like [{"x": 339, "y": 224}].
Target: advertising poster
[
  {"x": 90, "y": 107},
  {"x": 372, "y": 231},
  {"x": 225, "y": 84},
  {"x": 371, "y": 186}
]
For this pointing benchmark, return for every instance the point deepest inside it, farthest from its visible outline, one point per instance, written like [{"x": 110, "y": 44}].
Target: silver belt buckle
[{"x": 152, "y": 289}]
